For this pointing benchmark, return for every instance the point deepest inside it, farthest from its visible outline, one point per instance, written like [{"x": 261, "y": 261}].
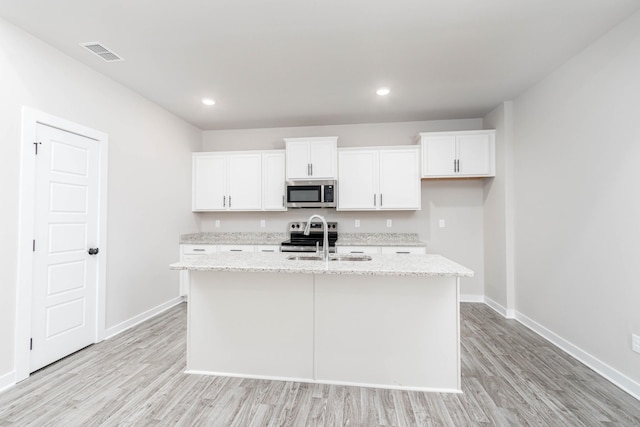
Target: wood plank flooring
[{"x": 510, "y": 377}]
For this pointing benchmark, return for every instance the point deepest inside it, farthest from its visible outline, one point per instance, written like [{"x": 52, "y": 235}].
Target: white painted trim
[
  {"x": 7, "y": 381},
  {"x": 136, "y": 320},
  {"x": 609, "y": 373},
  {"x": 472, "y": 298},
  {"x": 500, "y": 309},
  {"x": 312, "y": 381},
  {"x": 30, "y": 118}
]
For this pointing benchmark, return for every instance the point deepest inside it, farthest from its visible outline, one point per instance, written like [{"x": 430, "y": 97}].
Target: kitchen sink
[
  {"x": 331, "y": 257},
  {"x": 346, "y": 257},
  {"x": 305, "y": 257}
]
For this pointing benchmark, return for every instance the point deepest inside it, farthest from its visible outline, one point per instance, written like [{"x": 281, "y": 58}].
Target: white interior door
[{"x": 65, "y": 275}]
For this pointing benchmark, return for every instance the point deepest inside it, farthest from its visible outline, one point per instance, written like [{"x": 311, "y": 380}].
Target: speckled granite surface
[
  {"x": 380, "y": 265},
  {"x": 235, "y": 238},
  {"x": 379, "y": 239},
  {"x": 257, "y": 238}
]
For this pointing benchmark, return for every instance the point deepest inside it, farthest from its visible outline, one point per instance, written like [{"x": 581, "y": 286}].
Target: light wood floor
[{"x": 510, "y": 377}]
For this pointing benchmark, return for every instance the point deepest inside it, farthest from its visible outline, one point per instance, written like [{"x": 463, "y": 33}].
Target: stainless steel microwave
[{"x": 311, "y": 194}]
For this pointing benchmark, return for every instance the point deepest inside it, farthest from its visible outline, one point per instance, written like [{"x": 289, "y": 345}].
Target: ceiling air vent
[{"x": 103, "y": 52}]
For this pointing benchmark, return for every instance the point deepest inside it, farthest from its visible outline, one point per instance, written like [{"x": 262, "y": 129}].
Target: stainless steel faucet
[{"x": 325, "y": 242}]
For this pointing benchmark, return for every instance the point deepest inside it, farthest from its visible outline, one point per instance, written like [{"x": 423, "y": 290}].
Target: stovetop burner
[{"x": 298, "y": 242}]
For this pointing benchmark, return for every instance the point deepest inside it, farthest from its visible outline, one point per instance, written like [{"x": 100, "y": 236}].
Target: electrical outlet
[
  {"x": 263, "y": 223},
  {"x": 389, "y": 223},
  {"x": 441, "y": 223},
  {"x": 635, "y": 343},
  {"x": 357, "y": 223},
  {"x": 217, "y": 223}
]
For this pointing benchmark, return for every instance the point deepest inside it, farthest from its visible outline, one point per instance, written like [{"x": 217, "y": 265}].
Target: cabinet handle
[
  {"x": 229, "y": 201},
  {"x": 380, "y": 199},
  {"x": 458, "y": 165},
  {"x": 403, "y": 252},
  {"x": 357, "y": 252},
  {"x": 308, "y": 169},
  {"x": 455, "y": 162},
  {"x": 374, "y": 199},
  {"x": 311, "y": 169},
  {"x": 235, "y": 250},
  {"x": 224, "y": 201},
  {"x": 283, "y": 200},
  {"x": 267, "y": 250},
  {"x": 198, "y": 250}
]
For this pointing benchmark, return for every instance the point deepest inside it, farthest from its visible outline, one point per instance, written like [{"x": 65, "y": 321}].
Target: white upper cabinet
[
  {"x": 379, "y": 178},
  {"x": 311, "y": 158},
  {"x": 227, "y": 181},
  {"x": 273, "y": 181},
  {"x": 463, "y": 154}
]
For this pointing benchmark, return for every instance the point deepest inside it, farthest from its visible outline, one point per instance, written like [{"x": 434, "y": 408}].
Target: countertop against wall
[{"x": 261, "y": 238}]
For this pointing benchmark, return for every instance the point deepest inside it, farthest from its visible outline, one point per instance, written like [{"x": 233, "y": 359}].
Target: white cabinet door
[
  {"x": 322, "y": 157},
  {"x": 311, "y": 158},
  {"x": 298, "y": 166},
  {"x": 358, "y": 180},
  {"x": 474, "y": 155},
  {"x": 379, "y": 178},
  {"x": 209, "y": 182},
  {"x": 439, "y": 156},
  {"x": 458, "y": 154},
  {"x": 273, "y": 181},
  {"x": 400, "y": 179},
  {"x": 244, "y": 182}
]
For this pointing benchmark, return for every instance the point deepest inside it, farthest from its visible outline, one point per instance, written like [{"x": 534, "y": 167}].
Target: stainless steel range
[{"x": 298, "y": 242}]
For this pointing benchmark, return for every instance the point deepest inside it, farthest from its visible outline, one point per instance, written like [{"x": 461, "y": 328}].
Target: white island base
[{"x": 384, "y": 331}]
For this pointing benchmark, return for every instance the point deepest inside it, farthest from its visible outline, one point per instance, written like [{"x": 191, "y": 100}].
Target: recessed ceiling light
[
  {"x": 208, "y": 101},
  {"x": 383, "y": 91}
]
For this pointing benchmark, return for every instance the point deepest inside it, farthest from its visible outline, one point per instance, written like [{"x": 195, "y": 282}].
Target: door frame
[{"x": 24, "y": 284}]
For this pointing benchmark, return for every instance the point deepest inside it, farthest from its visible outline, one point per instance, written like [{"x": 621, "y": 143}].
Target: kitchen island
[{"x": 390, "y": 322}]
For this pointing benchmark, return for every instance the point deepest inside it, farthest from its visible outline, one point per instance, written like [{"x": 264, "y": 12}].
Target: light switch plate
[
  {"x": 217, "y": 223},
  {"x": 357, "y": 223},
  {"x": 389, "y": 223},
  {"x": 441, "y": 223},
  {"x": 263, "y": 223}
]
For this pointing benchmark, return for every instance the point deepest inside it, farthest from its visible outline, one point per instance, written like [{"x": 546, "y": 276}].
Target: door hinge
[
  {"x": 34, "y": 245},
  {"x": 35, "y": 144},
  {"x": 30, "y": 343}
]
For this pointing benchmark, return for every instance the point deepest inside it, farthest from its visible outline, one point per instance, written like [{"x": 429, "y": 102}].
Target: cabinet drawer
[
  {"x": 198, "y": 249},
  {"x": 236, "y": 248},
  {"x": 358, "y": 250},
  {"x": 407, "y": 250},
  {"x": 268, "y": 248}
]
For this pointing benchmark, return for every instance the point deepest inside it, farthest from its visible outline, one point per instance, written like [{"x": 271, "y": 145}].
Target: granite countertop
[
  {"x": 262, "y": 238},
  {"x": 379, "y": 239},
  {"x": 379, "y": 265},
  {"x": 233, "y": 238}
]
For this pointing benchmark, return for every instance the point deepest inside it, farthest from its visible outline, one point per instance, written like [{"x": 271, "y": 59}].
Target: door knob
[{"x": 93, "y": 251}]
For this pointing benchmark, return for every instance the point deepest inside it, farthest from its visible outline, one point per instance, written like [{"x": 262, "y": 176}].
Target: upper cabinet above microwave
[
  {"x": 312, "y": 158},
  {"x": 463, "y": 154}
]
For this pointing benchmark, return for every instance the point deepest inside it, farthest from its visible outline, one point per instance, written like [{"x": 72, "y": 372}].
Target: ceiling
[{"x": 272, "y": 63}]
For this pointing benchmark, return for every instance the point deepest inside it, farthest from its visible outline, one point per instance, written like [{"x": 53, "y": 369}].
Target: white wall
[
  {"x": 577, "y": 177},
  {"x": 498, "y": 215},
  {"x": 149, "y": 175},
  {"x": 459, "y": 202}
]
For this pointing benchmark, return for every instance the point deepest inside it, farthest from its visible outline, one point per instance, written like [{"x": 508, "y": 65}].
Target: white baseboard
[
  {"x": 611, "y": 374},
  {"x": 471, "y": 298},
  {"x": 7, "y": 380},
  {"x": 500, "y": 309},
  {"x": 136, "y": 320}
]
